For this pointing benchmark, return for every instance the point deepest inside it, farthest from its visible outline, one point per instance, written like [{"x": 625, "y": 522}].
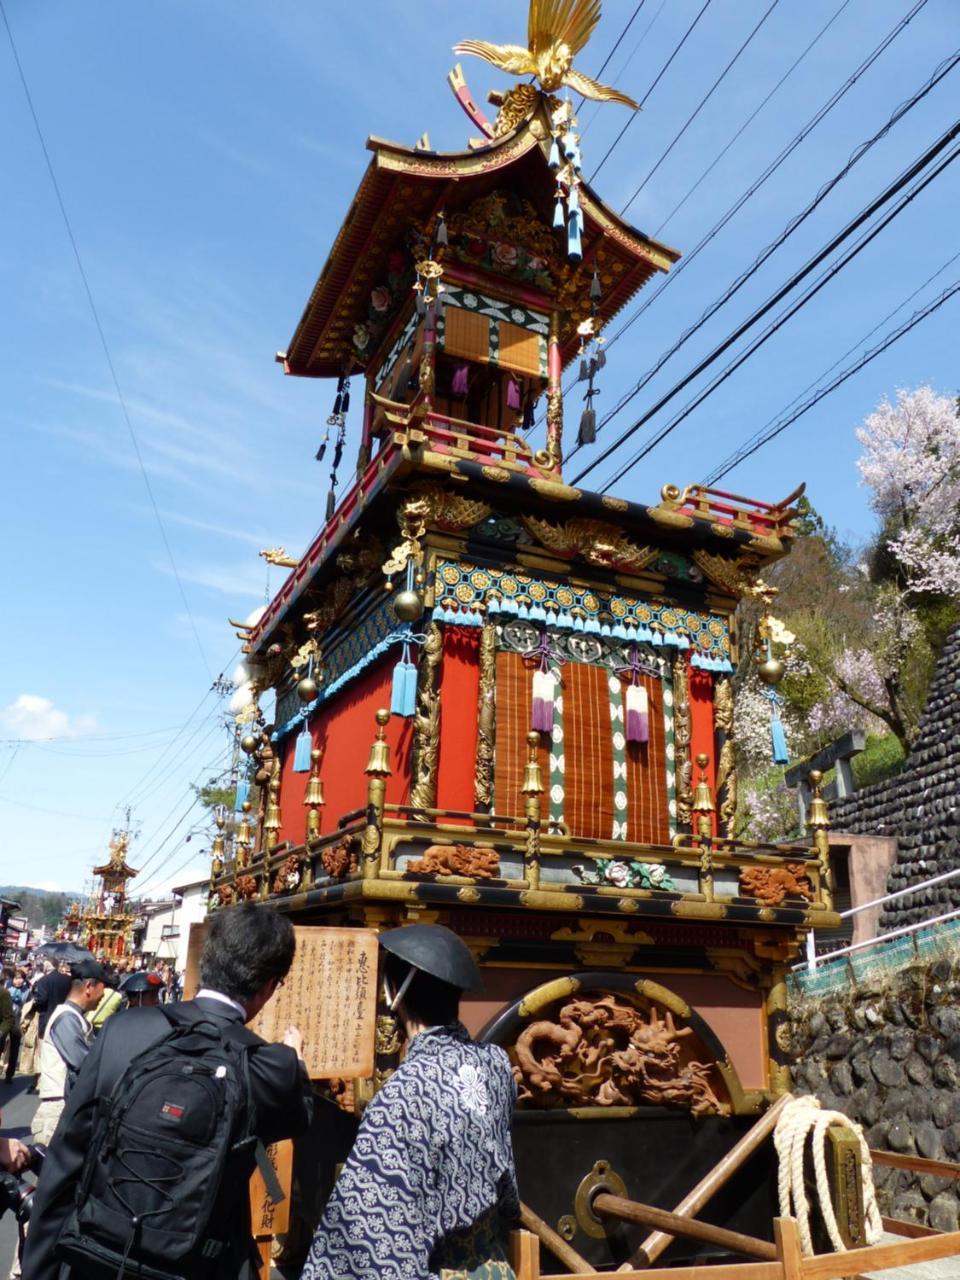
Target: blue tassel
[
  {"x": 410, "y": 689},
  {"x": 243, "y": 793},
  {"x": 558, "y": 218},
  {"x": 301, "y": 751},
  {"x": 574, "y": 244},
  {"x": 780, "y": 753},
  {"x": 573, "y": 199},
  {"x": 575, "y": 159},
  {"x": 569, "y": 145},
  {"x": 398, "y": 690},
  {"x": 554, "y": 160}
]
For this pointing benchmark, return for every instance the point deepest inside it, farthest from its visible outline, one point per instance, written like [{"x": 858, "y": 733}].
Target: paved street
[{"x": 18, "y": 1107}]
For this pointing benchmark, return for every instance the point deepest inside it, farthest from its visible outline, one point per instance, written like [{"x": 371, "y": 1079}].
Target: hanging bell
[
  {"x": 554, "y": 160},
  {"x": 407, "y": 605},
  {"x": 588, "y": 427},
  {"x": 248, "y": 744}
]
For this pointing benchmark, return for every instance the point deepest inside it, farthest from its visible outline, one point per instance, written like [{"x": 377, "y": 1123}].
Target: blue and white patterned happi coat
[{"x": 432, "y": 1158}]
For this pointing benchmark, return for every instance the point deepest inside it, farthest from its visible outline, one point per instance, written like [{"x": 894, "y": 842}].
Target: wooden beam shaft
[{"x": 632, "y": 1211}]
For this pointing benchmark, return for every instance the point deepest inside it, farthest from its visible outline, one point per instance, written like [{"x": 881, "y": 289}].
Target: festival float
[{"x": 506, "y": 704}]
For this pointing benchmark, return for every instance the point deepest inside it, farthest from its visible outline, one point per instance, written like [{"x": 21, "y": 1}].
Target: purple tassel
[
  {"x": 513, "y": 394},
  {"x": 544, "y": 686},
  {"x": 638, "y": 718},
  {"x": 459, "y": 384}
]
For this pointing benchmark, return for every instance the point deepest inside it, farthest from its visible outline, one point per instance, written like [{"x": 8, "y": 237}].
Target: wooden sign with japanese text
[{"x": 330, "y": 993}]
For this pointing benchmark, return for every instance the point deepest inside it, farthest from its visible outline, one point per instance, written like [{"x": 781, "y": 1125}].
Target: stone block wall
[{"x": 888, "y": 1056}]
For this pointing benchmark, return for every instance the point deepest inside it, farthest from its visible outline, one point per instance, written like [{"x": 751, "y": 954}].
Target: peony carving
[
  {"x": 457, "y": 860},
  {"x": 770, "y": 885},
  {"x": 603, "y": 1052}
]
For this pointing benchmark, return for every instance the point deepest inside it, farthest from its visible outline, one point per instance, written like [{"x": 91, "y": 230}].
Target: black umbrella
[{"x": 70, "y": 952}]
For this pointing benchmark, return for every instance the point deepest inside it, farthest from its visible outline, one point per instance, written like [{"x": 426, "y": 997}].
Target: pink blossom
[
  {"x": 505, "y": 255},
  {"x": 380, "y": 298}
]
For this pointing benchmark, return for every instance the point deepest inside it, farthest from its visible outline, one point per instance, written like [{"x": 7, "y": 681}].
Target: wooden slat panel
[
  {"x": 466, "y": 334},
  {"x": 519, "y": 350}
]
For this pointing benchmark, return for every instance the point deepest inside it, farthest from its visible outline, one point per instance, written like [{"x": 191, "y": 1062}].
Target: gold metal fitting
[
  {"x": 818, "y": 814},
  {"x": 379, "y": 762},
  {"x": 702, "y": 797},
  {"x": 314, "y": 792},
  {"x": 532, "y": 780}
]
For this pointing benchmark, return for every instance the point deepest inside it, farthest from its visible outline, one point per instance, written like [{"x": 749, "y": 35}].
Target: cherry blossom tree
[{"x": 911, "y": 462}]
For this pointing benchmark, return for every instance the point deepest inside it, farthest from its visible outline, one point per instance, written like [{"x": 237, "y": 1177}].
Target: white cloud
[{"x": 35, "y": 719}]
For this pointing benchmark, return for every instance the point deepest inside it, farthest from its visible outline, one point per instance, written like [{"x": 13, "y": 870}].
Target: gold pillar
[
  {"x": 377, "y": 771},
  {"x": 532, "y": 788},
  {"x": 818, "y": 820},
  {"x": 554, "y": 449},
  {"x": 483, "y": 774},
  {"x": 778, "y": 1031}
]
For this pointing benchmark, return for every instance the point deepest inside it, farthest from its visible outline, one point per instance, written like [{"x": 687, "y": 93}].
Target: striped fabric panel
[
  {"x": 648, "y": 811},
  {"x": 514, "y": 698},
  {"x": 588, "y": 751}
]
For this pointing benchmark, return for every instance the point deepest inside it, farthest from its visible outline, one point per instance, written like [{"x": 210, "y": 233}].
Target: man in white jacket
[{"x": 65, "y": 1044}]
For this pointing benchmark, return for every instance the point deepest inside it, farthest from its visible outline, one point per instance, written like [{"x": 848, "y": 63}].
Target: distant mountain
[{"x": 40, "y": 906}]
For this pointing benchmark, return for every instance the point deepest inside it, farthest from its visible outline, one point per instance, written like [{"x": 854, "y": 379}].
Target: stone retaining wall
[{"x": 889, "y": 1057}]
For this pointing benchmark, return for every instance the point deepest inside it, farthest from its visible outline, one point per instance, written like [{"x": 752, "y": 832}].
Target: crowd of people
[{"x": 155, "y": 1116}]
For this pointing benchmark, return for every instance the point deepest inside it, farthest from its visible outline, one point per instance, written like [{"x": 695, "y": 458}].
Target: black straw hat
[
  {"x": 134, "y": 983},
  {"x": 436, "y": 950}
]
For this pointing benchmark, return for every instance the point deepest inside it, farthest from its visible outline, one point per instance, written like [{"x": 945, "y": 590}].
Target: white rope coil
[{"x": 803, "y": 1118}]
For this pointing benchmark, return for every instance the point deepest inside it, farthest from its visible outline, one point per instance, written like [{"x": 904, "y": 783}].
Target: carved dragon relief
[
  {"x": 596, "y": 541},
  {"x": 734, "y": 576},
  {"x": 426, "y": 723},
  {"x": 602, "y": 1051},
  {"x": 727, "y": 761},
  {"x": 681, "y": 738}
]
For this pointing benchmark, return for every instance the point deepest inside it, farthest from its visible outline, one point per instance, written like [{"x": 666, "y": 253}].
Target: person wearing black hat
[
  {"x": 65, "y": 1044},
  {"x": 429, "y": 1188},
  {"x": 141, "y": 990}
]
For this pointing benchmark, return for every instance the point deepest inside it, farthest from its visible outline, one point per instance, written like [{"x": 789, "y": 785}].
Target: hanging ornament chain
[
  {"x": 592, "y": 359},
  {"x": 566, "y": 163},
  {"x": 337, "y": 420}
]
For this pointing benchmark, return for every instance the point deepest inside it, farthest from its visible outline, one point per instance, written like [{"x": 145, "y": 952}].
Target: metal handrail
[{"x": 813, "y": 959}]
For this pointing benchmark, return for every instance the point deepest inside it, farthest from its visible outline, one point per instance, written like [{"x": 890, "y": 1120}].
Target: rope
[{"x": 803, "y": 1118}]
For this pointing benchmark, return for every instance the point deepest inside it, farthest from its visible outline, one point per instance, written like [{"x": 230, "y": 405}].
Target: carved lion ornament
[{"x": 601, "y": 1051}]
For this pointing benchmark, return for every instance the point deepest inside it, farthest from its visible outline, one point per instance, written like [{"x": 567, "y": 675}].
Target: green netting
[{"x": 884, "y": 956}]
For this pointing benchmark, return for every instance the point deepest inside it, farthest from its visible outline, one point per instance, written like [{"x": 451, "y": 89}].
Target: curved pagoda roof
[{"x": 405, "y": 188}]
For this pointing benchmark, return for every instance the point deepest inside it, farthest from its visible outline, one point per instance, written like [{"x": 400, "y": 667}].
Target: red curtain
[
  {"x": 343, "y": 729},
  {"x": 701, "y": 727},
  {"x": 459, "y": 698}
]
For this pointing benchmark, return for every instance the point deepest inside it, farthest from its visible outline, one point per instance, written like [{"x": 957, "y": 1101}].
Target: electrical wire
[
  {"x": 659, "y": 76},
  {"x": 816, "y": 119},
  {"x": 810, "y": 292},
  {"x": 940, "y": 72},
  {"x": 103, "y": 342},
  {"x": 853, "y": 225},
  {"x": 753, "y": 115},
  {"x": 616, "y": 46},
  {"x": 918, "y": 316},
  {"x": 700, "y": 105}
]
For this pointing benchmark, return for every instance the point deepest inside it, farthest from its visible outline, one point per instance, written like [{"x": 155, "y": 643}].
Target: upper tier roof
[{"x": 405, "y": 187}]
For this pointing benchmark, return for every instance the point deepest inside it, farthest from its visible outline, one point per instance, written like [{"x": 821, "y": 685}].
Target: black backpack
[{"x": 172, "y": 1148}]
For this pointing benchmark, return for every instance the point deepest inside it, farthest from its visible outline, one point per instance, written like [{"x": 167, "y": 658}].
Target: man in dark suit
[{"x": 247, "y": 954}]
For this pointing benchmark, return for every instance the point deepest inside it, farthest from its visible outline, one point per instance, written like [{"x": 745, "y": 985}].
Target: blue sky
[{"x": 206, "y": 154}]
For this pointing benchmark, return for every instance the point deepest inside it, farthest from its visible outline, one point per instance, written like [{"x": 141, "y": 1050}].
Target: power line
[
  {"x": 753, "y": 115},
  {"x": 865, "y": 214},
  {"x": 866, "y": 238},
  {"x": 597, "y": 106},
  {"x": 700, "y": 105},
  {"x": 617, "y": 44},
  {"x": 865, "y": 359},
  {"x": 944, "y": 68},
  {"x": 103, "y": 340},
  {"x": 818, "y": 117},
  {"x": 761, "y": 432},
  {"x": 659, "y": 76}
]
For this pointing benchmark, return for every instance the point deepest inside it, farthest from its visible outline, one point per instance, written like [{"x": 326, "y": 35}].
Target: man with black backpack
[{"x": 148, "y": 1171}]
